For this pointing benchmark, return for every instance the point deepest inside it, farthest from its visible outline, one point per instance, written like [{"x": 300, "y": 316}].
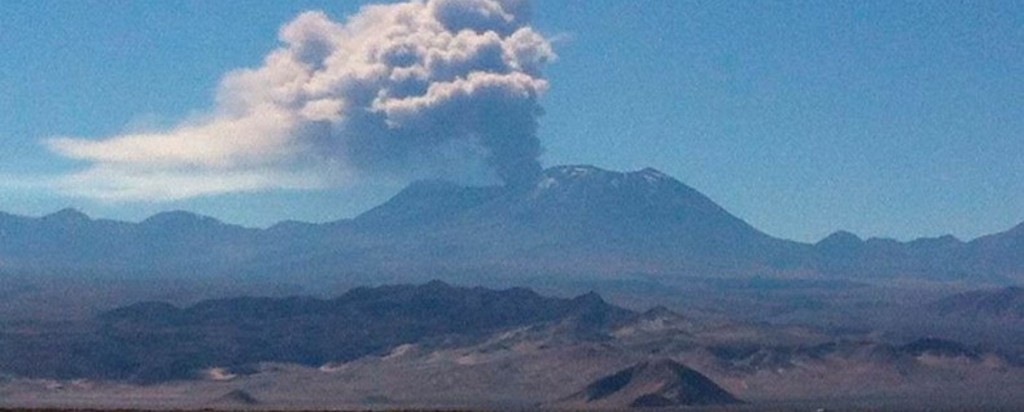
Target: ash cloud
[{"x": 436, "y": 88}]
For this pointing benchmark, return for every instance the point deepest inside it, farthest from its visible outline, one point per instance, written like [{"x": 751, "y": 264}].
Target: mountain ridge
[
  {"x": 154, "y": 341},
  {"x": 79, "y": 215},
  {"x": 575, "y": 218}
]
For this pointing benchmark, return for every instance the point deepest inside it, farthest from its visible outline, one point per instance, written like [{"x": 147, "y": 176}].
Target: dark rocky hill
[
  {"x": 154, "y": 341},
  {"x": 657, "y": 383},
  {"x": 996, "y": 304}
]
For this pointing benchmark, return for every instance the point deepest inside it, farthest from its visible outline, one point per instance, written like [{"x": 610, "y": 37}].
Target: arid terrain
[
  {"x": 511, "y": 205},
  {"x": 511, "y": 359},
  {"x": 592, "y": 289}
]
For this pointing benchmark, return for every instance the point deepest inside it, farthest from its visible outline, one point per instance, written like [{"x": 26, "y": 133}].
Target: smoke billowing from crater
[{"x": 438, "y": 88}]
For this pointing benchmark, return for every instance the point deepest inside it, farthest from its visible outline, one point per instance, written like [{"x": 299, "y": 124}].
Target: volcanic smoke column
[{"x": 438, "y": 88}]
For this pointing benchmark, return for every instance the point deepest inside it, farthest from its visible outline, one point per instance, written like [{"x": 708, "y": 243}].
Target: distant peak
[
  {"x": 841, "y": 237},
  {"x": 941, "y": 240},
  {"x": 659, "y": 312},
  {"x": 178, "y": 217},
  {"x": 656, "y": 363},
  {"x": 67, "y": 215},
  {"x": 589, "y": 298},
  {"x": 436, "y": 285}
]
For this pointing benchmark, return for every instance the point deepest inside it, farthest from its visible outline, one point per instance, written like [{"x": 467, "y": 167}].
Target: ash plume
[{"x": 434, "y": 88}]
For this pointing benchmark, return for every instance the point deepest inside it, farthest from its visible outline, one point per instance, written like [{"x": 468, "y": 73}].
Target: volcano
[{"x": 575, "y": 220}]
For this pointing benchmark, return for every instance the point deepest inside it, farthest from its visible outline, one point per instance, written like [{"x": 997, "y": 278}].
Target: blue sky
[{"x": 891, "y": 119}]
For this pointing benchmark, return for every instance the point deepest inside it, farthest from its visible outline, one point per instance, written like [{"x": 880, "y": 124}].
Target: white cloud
[
  {"x": 111, "y": 183},
  {"x": 388, "y": 93},
  {"x": 221, "y": 143}
]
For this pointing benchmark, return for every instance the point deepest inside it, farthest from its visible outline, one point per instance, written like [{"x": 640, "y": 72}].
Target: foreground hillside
[
  {"x": 155, "y": 341},
  {"x": 437, "y": 345}
]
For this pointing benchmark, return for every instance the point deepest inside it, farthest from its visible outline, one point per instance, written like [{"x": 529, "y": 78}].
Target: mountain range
[
  {"x": 440, "y": 347},
  {"x": 573, "y": 220}
]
